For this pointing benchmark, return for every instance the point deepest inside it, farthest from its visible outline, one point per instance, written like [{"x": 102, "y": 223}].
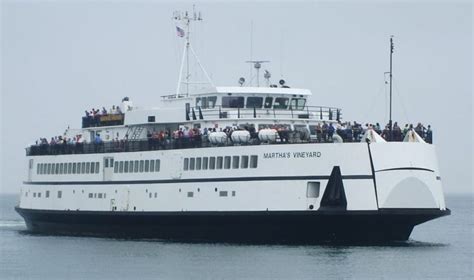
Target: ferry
[{"x": 246, "y": 163}]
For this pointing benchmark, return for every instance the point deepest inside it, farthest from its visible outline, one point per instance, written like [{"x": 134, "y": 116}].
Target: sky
[{"x": 59, "y": 58}]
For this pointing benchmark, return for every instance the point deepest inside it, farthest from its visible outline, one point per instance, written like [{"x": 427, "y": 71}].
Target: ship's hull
[{"x": 239, "y": 226}]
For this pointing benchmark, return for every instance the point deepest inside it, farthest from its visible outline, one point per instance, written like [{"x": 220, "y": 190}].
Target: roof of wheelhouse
[{"x": 253, "y": 90}]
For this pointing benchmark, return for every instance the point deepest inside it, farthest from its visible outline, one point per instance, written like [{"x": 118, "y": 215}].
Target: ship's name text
[{"x": 292, "y": 155}]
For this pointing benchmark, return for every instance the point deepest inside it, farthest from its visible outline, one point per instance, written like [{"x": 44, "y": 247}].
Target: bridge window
[
  {"x": 254, "y": 102},
  {"x": 297, "y": 103},
  {"x": 60, "y": 194},
  {"x": 281, "y": 103},
  {"x": 233, "y": 102},
  {"x": 211, "y": 101},
  {"x": 268, "y": 102},
  {"x": 206, "y": 102}
]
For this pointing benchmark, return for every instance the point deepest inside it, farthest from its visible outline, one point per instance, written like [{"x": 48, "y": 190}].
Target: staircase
[{"x": 134, "y": 132}]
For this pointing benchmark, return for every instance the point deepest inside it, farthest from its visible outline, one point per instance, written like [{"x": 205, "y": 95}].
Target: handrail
[
  {"x": 103, "y": 120},
  {"x": 320, "y": 113},
  {"x": 198, "y": 141}
]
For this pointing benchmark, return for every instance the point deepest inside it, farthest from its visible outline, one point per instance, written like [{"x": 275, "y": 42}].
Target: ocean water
[{"x": 442, "y": 249}]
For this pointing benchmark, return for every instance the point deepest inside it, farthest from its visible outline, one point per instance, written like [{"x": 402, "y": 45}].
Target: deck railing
[
  {"x": 308, "y": 112},
  {"x": 151, "y": 144},
  {"x": 103, "y": 120}
]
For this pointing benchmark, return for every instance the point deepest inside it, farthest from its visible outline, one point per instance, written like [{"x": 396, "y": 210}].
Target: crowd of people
[
  {"x": 185, "y": 137},
  {"x": 353, "y": 132},
  {"x": 92, "y": 118}
]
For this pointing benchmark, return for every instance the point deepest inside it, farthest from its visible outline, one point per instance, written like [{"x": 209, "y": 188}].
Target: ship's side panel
[
  {"x": 280, "y": 180},
  {"x": 407, "y": 175}
]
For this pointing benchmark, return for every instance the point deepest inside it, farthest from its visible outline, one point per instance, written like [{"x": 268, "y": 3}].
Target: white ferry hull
[{"x": 365, "y": 192}]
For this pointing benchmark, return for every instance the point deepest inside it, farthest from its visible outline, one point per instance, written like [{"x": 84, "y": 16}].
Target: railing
[
  {"x": 103, "y": 120},
  {"x": 284, "y": 137},
  {"x": 308, "y": 112}
]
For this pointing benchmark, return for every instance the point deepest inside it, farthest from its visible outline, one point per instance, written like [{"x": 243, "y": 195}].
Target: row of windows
[
  {"x": 252, "y": 102},
  {"x": 226, "y": 162},
  {"x": 46, "y": 194},
  {"x": 68, "y": 168},
  {"x": 259, "y": 102},
  {"x": 135, "y": 166},
  {"x": 97, "y": 195}
]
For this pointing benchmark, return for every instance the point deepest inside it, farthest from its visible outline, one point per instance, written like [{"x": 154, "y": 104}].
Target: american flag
[{"x": 179, "y": 31}]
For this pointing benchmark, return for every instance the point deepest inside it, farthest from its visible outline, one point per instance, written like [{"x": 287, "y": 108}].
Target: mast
[
  {"x": 184, "y": 19},
  {"x": 391, "y": 75}
]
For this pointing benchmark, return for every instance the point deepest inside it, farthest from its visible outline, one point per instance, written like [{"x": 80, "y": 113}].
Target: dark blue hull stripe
[
  {"x": 200, "y": 180},
  {"x": 406, "y": 168},
  {"x": 235, "y": 226}
]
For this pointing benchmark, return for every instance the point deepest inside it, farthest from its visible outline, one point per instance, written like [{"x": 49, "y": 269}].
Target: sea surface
[{"x": 441, "y": 249}]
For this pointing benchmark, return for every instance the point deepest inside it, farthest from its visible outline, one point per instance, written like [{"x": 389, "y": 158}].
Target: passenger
[
  {"x": 325, "y": 131},
  {"x": 378, "y": 129},
  {"x": 397, "y": 132},
  {"x": 97, "y": 143},
  {"x": 429, "y": 135},
  {"x": 331, "y": 131},
  {"x": 104, "y": 111},
  {"x": 118, "y": 110},
  {"x": 420, "y": 130},
  {"x": 319, "y": 132}
]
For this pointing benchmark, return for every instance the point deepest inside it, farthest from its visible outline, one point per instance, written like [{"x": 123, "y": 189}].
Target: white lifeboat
[
  {"x": 267, "y": 135},
  {"x": 217, "y": 137},
  {"x": 240, "y": 136}
]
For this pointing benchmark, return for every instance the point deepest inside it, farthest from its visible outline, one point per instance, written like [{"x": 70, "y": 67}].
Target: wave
[{"x": 11, "y": 223}]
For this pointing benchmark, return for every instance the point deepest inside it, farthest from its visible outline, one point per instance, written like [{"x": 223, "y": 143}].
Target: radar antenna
[
  {"x": 257, "y": 64},
  {"x": 184, "y": 19}
]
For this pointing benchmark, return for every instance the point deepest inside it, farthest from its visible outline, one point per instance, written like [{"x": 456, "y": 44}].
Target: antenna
[
  {"x": 251, "y": 50},
  {"x": 185, "y": 19},
  {"x": 391, "y": 75},
  {"x": 257, "y": 64}
]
